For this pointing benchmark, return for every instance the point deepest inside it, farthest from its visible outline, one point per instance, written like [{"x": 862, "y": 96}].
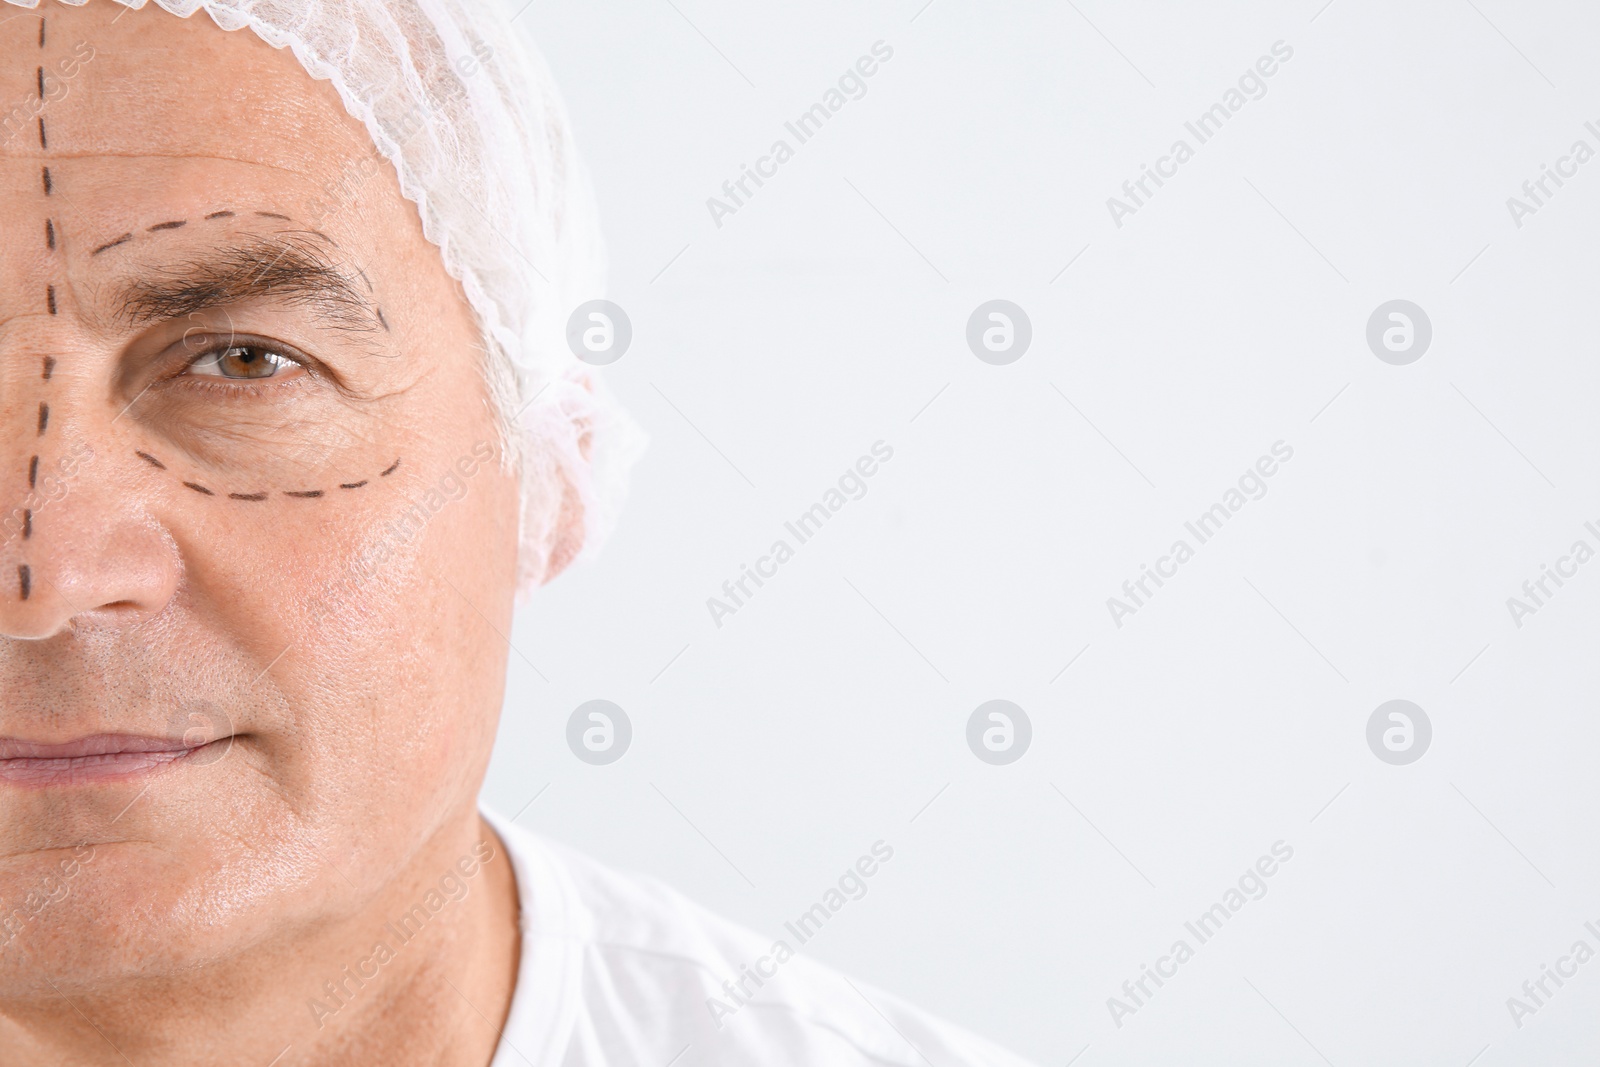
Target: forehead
[{"x": 147, "y": 108}]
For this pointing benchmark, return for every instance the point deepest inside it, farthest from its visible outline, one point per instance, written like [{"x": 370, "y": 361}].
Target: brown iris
[{"x": 241, "y": 361}]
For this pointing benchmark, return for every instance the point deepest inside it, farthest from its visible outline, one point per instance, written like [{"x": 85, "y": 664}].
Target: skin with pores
[{"x": 324, "y": 674}]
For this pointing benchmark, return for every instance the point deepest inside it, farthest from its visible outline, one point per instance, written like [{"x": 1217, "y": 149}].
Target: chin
[{"x": 93, "y": 915}]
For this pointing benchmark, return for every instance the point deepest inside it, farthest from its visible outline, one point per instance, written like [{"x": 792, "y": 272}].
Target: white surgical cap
[{"x": 473, "y": 124}]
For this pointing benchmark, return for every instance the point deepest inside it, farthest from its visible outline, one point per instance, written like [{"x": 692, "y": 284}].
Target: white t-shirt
[{"x": 617, "y": 971}]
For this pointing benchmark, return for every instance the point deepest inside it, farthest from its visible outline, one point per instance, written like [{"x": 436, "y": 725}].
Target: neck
[{"x": 422, "y": 972}]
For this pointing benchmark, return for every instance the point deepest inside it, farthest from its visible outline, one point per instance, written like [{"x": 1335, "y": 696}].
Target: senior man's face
[{"x": 255, "y": 539}]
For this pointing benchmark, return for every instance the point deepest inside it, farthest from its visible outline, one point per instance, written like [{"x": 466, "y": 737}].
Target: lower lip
[{"x": 46, "y": 772}]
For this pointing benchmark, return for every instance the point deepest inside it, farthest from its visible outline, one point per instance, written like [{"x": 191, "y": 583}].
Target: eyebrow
[{"x": 288, "y": 268}]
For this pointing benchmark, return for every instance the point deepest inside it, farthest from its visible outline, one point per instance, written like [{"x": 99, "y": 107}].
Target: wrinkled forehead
[{"x": 149, "y": 107}]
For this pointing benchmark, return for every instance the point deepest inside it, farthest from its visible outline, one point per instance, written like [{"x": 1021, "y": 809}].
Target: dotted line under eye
[{"x": 257, "y": 497}]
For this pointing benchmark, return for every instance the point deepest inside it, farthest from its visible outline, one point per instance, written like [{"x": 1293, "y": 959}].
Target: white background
[{"x": 1227, "y": 314}]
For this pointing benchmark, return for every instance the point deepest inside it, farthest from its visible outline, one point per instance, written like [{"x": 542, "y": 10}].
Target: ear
[{"x": 568, "y": 533}]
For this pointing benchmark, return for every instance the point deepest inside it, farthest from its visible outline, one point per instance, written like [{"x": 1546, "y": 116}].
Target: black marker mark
[
  {"x": 27, "y": 523},
  {"x": 33, "y": 472},
  {"x": 199, "y": 488},
  {"x": 391, "y": 470},
  {"x": 50, "y": 298},
  {"x": 49, "y": 367},
  {"x": 247, "y": 496},
  {"x": 47, "y": 185},
  {"x": 41, "y": 31},
  {"x": 50, "y": 233},
  {"x": 383, "y": 320},
  {"x": 169, "y": 225},
  {"x": 44, "y": 417},
  {"x": 274, "y": 215},
  {"x": 25, "y": 580},
  {"x": 43, "y": 142},
  {"x": 352, "y": 485},
  {"x": 220, "y": 215},
  {"x": 325, "y": 237},
  {"x": 124, "y": 239},
  {"x": 41, "y": 83},
  {"x": 304, "y": 493},
  {"x": 153, "y": 461}
]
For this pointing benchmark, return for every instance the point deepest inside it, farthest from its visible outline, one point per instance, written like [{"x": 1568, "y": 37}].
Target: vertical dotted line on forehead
[{"x": 47, "y": 370}]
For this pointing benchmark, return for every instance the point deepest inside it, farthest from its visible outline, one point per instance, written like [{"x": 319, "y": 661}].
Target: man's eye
[{"x": 241, "y": 361}]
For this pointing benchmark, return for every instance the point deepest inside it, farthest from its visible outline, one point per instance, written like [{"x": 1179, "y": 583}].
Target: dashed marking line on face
[
  {"x": 257, "y": 497},
  {"x": 124, "y": 239},
  {"x": 24, "y": 572},
  {"x": 383, "y": 321},
  {"x": 176, "y": 224},
  {"x": 392, "y": 468}
]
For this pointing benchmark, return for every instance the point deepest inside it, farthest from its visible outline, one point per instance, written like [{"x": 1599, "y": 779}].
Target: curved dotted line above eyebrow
[
  {"x": 255, "y": 497},
  {"x": 178, "y": 224},
  {"x": 124, "y": 239}
]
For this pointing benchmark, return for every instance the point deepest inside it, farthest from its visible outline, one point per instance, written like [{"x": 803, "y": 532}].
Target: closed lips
[{"x": 88, "y": 759}]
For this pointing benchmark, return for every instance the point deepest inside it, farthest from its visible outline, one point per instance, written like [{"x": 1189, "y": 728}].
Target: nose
[{"x": 79, "y": 549}]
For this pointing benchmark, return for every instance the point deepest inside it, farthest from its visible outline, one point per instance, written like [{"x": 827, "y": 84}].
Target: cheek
[
  {"x": 381, "y": 614},
  {"x": 468, "y": 560}
]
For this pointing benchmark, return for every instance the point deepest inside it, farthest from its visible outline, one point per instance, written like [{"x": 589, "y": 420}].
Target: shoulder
[{"x": 649, "y": 975}]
